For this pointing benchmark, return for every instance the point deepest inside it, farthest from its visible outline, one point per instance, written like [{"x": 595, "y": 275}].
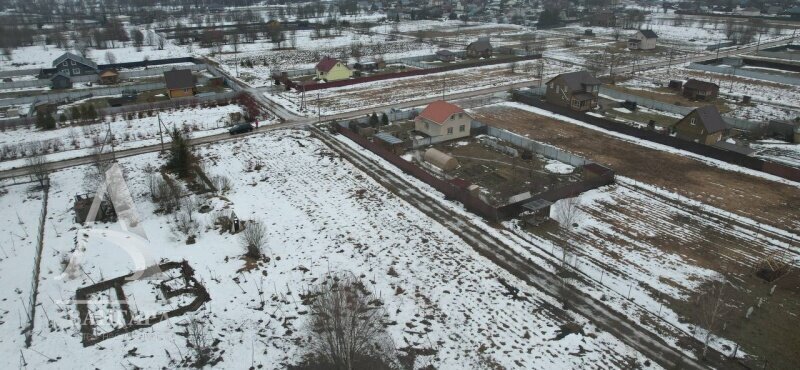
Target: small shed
[
  {"x": 439, "y": 159},
  {"x": 537, "y": 211},
  {"x": 60, "y": 81},
  {"x": 109, "y": 77},
  {"x": 701, "y": 90},
  {"x": 675, "y": 84},
  {"x": 390, "y": 142},
  {"x": 445, "y": 55}
]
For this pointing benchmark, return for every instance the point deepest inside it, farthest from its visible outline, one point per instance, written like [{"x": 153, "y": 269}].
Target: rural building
[
  {"x": 109, "y": 77},
  {"x": 603, "y": 19},
  {"x": 180, "y": 83},
  {"x": 439, "y": 159},
  {"x": 445, "y": 55},
  {"x": 480, "y": 49},
  {"x": 330, "y": 69},
  {"x": 443, "y": 119},
  {"x": 390, "y": 142},
  {"x": 703, "y": 125},
  {"x": 701, "y": 90},
  {"x": 574, "y": 90},
  {"x": 643, "y": 40},
  {"x": 74, "y": 65},
  {"x": 60, "y": 80}
]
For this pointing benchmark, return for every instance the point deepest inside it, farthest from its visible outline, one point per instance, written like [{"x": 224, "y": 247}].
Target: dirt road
[{"x": 507, "y": 258}]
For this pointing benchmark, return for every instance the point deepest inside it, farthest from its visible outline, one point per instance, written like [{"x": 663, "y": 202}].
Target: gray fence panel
[
  {"x": 79, "y": 94},
  {"x": 779, "y": 55},
  {"x": 20, "y": 72},
  {"x": 24, "y": 84},
  {"x": 548, "y": 151},
  {"x": 788, "y": 80},
  {"x": 645, "y": 102}
]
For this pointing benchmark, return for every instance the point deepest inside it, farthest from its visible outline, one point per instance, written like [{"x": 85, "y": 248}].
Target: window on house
[
  {"x": 76, "y": 71},
  {"x": 692, "y": 121},
  {"x": 72, "y": 61},
  {"x": 449, "y": 130},
  {"x": 65, "y": 63},
  {"x": 427, "y": 126},
  {"x": 462, "y": 128}
]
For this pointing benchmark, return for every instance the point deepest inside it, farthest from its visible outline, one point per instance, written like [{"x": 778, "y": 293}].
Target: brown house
[
  {"x": 109, "y": 77},
  {"x": 180, "y": 83},
  {"x": 480, "y": 49},
  {"x": 703, "y": 125},
  {"x": 574, "y": 90},
  {"x": 700, "y": 90}
]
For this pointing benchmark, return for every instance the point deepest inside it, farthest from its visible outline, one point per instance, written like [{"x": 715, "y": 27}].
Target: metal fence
[
  {"x": 739, "y": 123},
  {"x": 548, "y": 151},
  {"x": 738, "y": 159},
  {"x": 788, "y": 80},
  {"x": 19, "y": 72},
  {"x": 81, "y": 93},
  {"x": 779, "y": 55}
]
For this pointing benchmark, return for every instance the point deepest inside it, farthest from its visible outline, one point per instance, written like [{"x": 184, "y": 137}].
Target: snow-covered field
[
  {"x": 19, "y": 220},
  {"x": 80, "y": 140},
  {"x": 309, "y": 49},
  {"x": 322, "y": 215},
  {"x": 778, "y": 151},
  {"x": 378, "y": 93}
]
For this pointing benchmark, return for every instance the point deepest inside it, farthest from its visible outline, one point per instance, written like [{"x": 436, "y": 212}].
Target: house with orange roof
[{"x": 443, "y": 120}]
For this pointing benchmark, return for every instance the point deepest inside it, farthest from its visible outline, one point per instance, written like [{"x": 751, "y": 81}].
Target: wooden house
[
  {"x": 575, "y": 90},
  {"x": 180, "y": 83},
  {"x": 643, "y": 40},
  {"x": 700, "y": 90},
  {"x": 74, "y": 65},
  {"x": 703, "y": 125},
  {"x": 482, "y": 48}
]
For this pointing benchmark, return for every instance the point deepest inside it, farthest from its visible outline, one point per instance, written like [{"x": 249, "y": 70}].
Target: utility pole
[
  {"x": 160, "y": 133},
  {"x": 111, "y": 137},
  {"x": 444, "y": 82},
  {"x": 319, "y": 110},
  {"x": 758, "y": 44}
]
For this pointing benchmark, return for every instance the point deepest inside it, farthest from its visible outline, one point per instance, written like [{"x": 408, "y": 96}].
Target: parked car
[{"x": 241, "y": 128}]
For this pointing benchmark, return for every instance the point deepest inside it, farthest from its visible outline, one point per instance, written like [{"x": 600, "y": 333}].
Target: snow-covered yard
[
  {"x": 322, "y": 215},
  {"x": 20, "y": 208}
]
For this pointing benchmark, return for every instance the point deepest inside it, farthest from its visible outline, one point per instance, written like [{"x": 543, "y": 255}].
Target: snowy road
[{"x": 505, "y": 257}]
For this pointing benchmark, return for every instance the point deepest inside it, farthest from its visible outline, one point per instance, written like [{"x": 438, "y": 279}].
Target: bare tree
[
  {"x": 568, "y": 212},
  {"x": 253, "y": 237},
  {"x": 346, "y": 327},
  {"x": 38, "y": 168},
  {"x": 712, "y": 306},
  {"x": 111, "y": 58},
  {"x": 197, "y": 338}
]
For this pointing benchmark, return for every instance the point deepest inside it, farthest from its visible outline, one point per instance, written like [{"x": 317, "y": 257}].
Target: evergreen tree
[
  {"x": 384, "y": 119},
  {"x": 373, "y": 120}
]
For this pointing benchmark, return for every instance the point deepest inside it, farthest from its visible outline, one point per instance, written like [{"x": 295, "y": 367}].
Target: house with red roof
[
  {"x": 331, "y": 69},
  {"x": 443, "y": 120}
]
